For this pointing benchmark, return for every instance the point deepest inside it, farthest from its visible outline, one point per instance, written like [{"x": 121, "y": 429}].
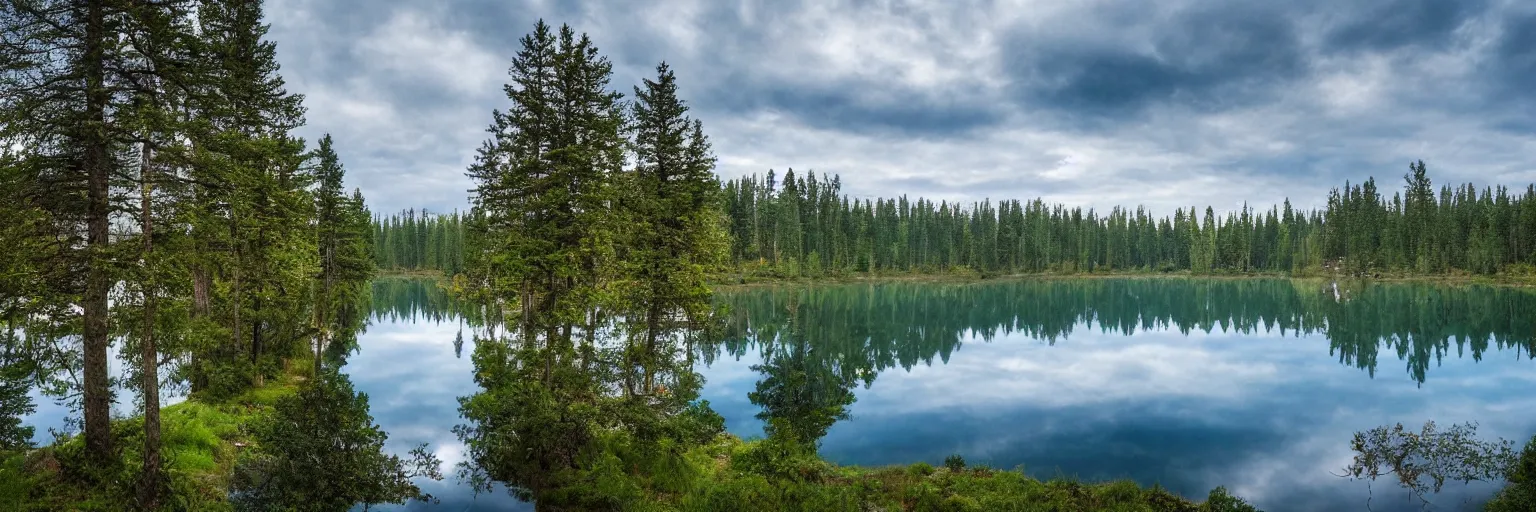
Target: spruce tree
[
  {"x": 256, "y": 203},
  {"x": 68, "y": 77},
  {"x": 343, "y": 251},
  {"x": 675, "y": 224},
  {"x": 543, "y": 185}
]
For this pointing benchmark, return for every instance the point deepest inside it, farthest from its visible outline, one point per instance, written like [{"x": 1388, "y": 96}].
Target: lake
[{"x": 1255, "y": 384}]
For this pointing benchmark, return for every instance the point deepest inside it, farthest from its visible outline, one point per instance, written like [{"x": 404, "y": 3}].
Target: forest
[
  {"x": 412, "y": 240},
  {"x": 803, "y": 226},
  {"x": 806, "y": 226},
  {"x": 159, "y": 211}
]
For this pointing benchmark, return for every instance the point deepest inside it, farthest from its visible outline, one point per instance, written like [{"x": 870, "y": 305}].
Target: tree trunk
[
  {"x": 256, "y": 334},
  {"x": 96, "y": 160},
  {"x": 201, "y": 283},
  {"x": 320, "y": 342},
  {"x": 652, "y": 325},
  {"x": 149, "y": 490}
]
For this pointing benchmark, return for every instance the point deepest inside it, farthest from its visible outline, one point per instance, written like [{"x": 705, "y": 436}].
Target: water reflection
[
  {"x": 1186, "y": 383},
  {"x": 400, "y": 300},
  {"x": 869, "y": 328},
  {"x": 801, "y": 396},
  {"x": 409, "y": 364}
]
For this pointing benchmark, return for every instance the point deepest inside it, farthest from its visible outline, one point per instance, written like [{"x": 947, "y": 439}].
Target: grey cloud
[
  {"x": 846, "y": 107},
  {"x": 1384, "y": 25},
  {"x": 736, "y": 75},
  {"x": 1172, "y": 103},
  {"x": 1204, "y": 57},
  {"x": 1512, "y": 66}
]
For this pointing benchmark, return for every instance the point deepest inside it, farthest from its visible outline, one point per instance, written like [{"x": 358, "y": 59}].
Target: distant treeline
[
  {"x": 805, "y": 226},
  {"x": 412, "y": 240}
]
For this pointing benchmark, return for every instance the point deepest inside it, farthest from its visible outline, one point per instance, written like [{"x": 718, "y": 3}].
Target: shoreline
[
  {"x": 204, "y": 437},
  {"x": 737, "y": 281}
]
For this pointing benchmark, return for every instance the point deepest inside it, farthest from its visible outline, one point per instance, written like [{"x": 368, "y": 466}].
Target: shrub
[
  {"x": 781, "y": 458},
  {"x": 920, "y": 469},
  {"x": 955, "y": 463},
  {"x": 1520, "y": 495},
  {"x": 957, "y": 503},
  {"x": 1220, "y": 501},
  {"x": 321, "y": 451},
  {"x": 746, "y": 493}
]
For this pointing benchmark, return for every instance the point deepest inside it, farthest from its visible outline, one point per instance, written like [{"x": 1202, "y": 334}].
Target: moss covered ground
[{"x": 201, "y": 441}]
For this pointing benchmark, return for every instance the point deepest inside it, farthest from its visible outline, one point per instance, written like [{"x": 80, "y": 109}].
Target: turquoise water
[{"x": 1257, "y": 385}]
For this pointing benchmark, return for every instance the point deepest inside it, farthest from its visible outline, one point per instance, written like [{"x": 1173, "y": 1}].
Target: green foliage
[
  {"x": 782, "y": 455},
  {"x": 1220, "y": 501},
  {"x": 955, "y": 463},
  {"x": 320, "y": 451},
  {"x": 418, "y": 240},
  {"x": 1423, "y": 461},
  {"x": 1520, "y": 494},
  {"x": 772, "y": 475},
  {"x": 14, "y": 403},
  {"x": 199, "y": 448},
  {"x": 589, "y": 397},
  {"x": 806, "y": 227}
]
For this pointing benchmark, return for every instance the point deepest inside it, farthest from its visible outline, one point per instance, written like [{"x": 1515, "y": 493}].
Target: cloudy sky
[{"x": 1091, "y": 103}]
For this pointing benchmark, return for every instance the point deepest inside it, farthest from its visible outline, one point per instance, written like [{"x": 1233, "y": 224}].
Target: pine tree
[
  {"x": 343, "y": 251},
  {"x": 66, "y": 78},
  {"x": 257, "y": 202},
  {"x": 543, "y": 185},
  {"x": 672, "y": 203}
]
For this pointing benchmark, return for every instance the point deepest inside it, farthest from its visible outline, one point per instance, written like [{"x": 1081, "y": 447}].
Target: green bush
[
  {"x": 1520, "y": 494},
  {"x": 957, "y": 503},
  {"x": 320, "y": 450},
  {"x": 747, "y": 493},
  {"x": 1220, "y": 501},
  {"x": 955, "y": 463}
]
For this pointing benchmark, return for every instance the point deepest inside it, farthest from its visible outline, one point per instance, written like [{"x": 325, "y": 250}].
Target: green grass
[
  {"x": 411, "y": 273},
  {"x": 200, "y": 442},
  {"x": 736, "y": 476}
]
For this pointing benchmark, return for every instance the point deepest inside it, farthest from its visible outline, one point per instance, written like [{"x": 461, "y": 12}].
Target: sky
[{"x": 1093, "y": 103}]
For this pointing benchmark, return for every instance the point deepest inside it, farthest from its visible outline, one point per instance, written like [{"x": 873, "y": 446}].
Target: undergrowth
[{"x": 200, "y": 443}]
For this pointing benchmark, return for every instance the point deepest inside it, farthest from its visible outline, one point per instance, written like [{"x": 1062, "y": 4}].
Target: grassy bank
[
  {"x": 765, "y": 475},
  {"x": 417, "y": 274},
  {"x": 201, "y": 440}
]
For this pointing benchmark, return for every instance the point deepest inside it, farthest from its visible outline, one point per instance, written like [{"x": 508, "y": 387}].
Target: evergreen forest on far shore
[{"x": 805, "y": 226}]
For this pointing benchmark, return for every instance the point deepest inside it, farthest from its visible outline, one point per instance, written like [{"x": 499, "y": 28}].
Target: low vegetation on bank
[
  {"x": 774, "y": 474},
  {"x": 202, "y": 441},
  {"x": 296, "y": 443}
]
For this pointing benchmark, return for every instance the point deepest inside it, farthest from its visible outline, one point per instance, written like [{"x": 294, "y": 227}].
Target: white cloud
[{"x": 414, "y": 45}]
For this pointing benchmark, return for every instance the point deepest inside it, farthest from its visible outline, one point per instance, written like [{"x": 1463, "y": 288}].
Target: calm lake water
[{"x": 1257, "y": 385}]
